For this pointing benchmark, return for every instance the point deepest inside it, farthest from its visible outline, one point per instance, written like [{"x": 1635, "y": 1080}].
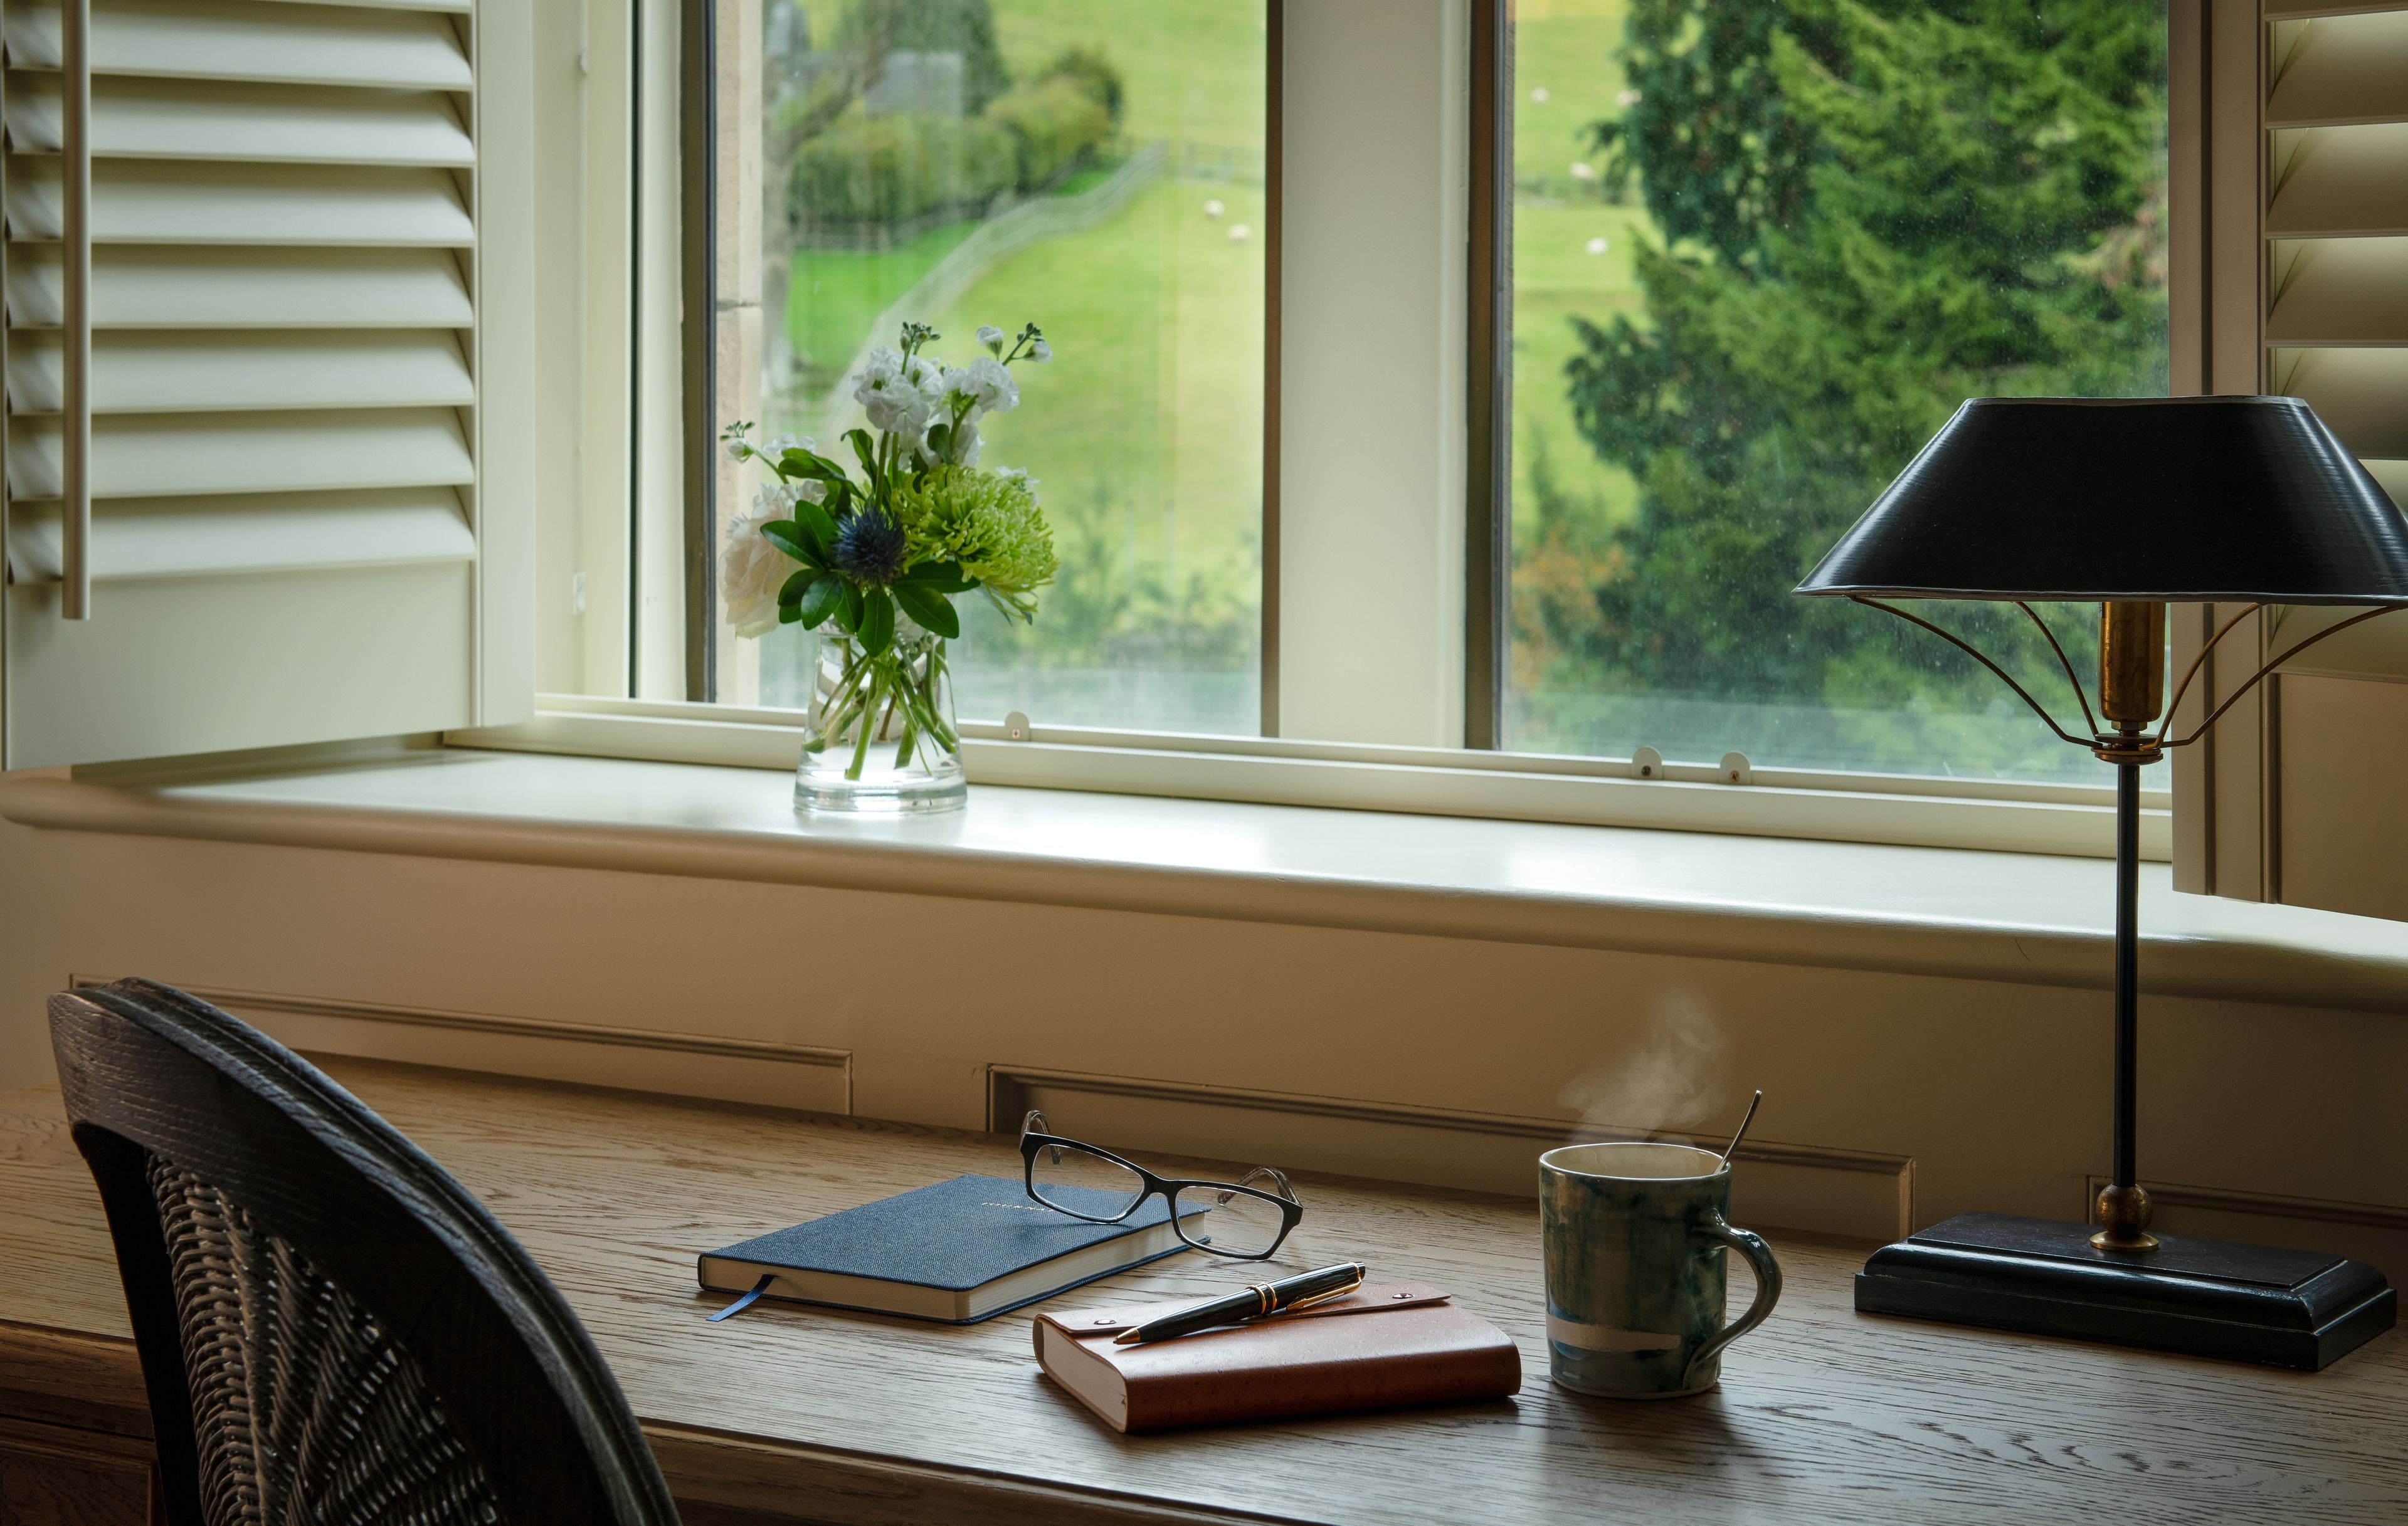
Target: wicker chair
[{"x": 332, "y": 1331}]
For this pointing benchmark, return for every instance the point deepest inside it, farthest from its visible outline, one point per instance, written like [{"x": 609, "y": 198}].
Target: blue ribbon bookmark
[{"x": 745, "y": 1302}]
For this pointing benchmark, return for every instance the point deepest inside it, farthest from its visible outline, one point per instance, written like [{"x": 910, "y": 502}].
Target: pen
[{"x": 1258, "y": 1300}]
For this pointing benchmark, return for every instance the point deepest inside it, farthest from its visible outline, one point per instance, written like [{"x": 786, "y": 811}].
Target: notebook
[
  {"x": 961, "y": 1251},
  {"x": 1376, "y": 1349}
]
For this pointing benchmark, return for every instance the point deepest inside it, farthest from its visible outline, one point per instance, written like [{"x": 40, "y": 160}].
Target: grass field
[
  {"x": 1565, "y": 79},
  {"x": 835, "y": 295}
]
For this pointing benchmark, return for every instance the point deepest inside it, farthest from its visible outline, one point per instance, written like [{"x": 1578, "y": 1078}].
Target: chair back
[{"x": 332, "y": 1330}]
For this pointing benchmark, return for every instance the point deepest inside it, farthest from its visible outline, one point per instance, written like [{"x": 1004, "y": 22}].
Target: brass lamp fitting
[
  {"x": 2131, "y": 677},
  {"x": 2123, "y": 1212},
  {"x": 2131, "y": 661}
]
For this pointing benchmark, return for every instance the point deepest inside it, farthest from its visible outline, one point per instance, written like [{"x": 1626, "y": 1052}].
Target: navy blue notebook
[{"x": 961, "y": 1251}]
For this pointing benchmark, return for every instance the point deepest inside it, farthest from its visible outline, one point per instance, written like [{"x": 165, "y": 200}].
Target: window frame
[{"x": 1441, "y": 757}]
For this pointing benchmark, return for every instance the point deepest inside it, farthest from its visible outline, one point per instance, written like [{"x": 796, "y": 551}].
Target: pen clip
[{"x": 1330, "y": 1297}]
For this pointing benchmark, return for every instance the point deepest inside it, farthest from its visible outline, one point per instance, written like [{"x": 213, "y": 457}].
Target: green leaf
[
  {"x": 799, "y": 462},
  {"x": 782, "y": 535},
  {"x": 786, "y": 614},
  {"x": 792, "y": 594},
  {"x": 818, "y": 527},
  {"x": 848, "y": 606},
  {"x": 867, "y": 448},
  {"x": 821, "y": 600},
  {"x": 944, "y": 576},
  {"x": 877, "y": 620},
  {"x": 932, "y": 609},
  {"x": 939, "y": 436}
]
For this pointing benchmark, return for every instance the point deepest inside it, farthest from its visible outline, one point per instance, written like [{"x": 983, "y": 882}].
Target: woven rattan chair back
[{"x": 333, "y": 1332}]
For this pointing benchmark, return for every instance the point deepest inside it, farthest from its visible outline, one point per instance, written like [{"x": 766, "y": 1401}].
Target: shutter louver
[
  {"x": 2336, "y": 218},
  {"x": 2334, "y": 222},
  {"x": 283, "y": 378}
]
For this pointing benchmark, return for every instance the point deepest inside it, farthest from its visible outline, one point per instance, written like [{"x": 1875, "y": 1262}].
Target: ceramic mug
[{"x": 1634, "y": 1237}]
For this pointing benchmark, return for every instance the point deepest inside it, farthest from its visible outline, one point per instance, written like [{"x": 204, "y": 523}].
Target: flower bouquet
[{"x": 872, "y": 563}]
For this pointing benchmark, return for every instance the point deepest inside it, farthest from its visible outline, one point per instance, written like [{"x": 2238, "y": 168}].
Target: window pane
[
  {"x": 1762, "y": 249},
  {"x": 1094, "y": 166}
]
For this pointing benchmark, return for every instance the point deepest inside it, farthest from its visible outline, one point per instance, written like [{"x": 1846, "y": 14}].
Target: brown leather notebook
[{"x": 1376, "y": 1349}]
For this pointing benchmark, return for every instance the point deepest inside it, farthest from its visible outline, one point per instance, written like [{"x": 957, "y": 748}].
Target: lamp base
[{"x": 2207, "y": 1298}]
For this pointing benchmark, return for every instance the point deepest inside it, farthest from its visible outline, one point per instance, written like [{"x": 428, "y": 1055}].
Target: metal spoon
[{"x": 1742, "y": 1125}]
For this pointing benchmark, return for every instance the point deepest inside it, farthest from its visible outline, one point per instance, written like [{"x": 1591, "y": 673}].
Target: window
[
  {"x": 1091, "y": 165},
  {"x": 1751, "y": 257},
  {"x": 1759, "y": 253}
]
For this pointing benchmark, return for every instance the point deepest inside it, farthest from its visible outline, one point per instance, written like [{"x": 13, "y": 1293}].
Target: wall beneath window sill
[{"x": 1425, "y": 997}]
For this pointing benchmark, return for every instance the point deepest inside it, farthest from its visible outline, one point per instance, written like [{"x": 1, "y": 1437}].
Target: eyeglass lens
[{"x": 1234, "y": 1223}]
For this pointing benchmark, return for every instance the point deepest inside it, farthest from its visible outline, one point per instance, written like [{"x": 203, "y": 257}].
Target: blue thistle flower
[{"x": 869, "y": 548}]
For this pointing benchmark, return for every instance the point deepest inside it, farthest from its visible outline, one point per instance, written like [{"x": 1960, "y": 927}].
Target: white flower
[
  {"x": 738, "y": 448},
  {"x": 992, "y": 337},
  {"x": 1214, "y": 208},
  {"x": 966, "y": 444},
  {"x": 1040, "y": 352},
  {"x": 890, "y": 392},
  {"x": 986, "y": 382},
  {"x": 751, "y": 572},
  {"x": 776, "y": 450},
  {"x": 772, "y": 501},
  {"x": 810, "y": 491}
]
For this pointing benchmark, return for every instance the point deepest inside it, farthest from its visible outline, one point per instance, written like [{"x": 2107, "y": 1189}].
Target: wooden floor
[{"x": 793, "y": 1413}]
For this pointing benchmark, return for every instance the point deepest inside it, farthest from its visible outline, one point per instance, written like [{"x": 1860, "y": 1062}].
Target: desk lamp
[{"x": 2134, "y": 504}]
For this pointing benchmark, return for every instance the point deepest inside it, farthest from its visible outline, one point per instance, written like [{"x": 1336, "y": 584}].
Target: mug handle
[{"x": 1768, "y": 1291}]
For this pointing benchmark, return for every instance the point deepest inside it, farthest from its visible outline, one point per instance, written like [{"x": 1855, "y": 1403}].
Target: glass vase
[{"x": 881, "y": 739}]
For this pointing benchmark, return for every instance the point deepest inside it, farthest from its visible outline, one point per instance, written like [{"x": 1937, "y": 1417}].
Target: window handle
[{"x": 75, "y": 426}]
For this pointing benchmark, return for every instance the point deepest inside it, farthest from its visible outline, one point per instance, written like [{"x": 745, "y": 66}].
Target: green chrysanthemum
[{"x": 987, "y": 520}]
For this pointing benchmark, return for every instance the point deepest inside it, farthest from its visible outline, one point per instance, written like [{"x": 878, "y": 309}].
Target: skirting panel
[
  {"x": 591, "y": 1054},
  {"x": 1798, "y": 1187}
]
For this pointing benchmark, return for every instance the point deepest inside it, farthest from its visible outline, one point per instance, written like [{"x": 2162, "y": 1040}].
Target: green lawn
[
  {"x": 836, "y": 295},
  {"x": 1556, "y": 277},
  {"x": 1563, "y": 51},
  {"x": 1152, "y": 406}
]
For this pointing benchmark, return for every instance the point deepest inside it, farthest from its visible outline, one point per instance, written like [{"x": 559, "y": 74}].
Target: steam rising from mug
[{"x": 1671, "y": 1083}]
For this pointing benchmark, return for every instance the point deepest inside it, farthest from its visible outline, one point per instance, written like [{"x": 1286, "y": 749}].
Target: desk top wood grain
[{"x": 788, "y": 1412}]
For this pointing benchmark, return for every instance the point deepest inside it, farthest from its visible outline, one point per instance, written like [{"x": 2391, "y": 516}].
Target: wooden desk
[{"x": 788, "y": 1414}]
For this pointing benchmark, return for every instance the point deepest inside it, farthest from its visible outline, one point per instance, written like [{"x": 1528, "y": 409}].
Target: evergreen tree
[{"x": 1874, "y": 209}]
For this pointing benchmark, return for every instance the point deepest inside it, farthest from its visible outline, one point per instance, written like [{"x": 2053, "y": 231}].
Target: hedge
[{"x": 891, "y": 169}]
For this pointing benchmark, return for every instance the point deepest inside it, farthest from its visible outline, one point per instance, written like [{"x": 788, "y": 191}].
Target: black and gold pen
[{"x": 1258, "y": 1301}]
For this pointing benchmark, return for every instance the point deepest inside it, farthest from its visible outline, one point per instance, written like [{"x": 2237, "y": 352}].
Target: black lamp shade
[{"x": 2163, "y": 499}]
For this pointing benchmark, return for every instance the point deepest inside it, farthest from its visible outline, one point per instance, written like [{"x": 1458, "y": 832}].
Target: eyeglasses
[{"x": 1243, "y": 1220}]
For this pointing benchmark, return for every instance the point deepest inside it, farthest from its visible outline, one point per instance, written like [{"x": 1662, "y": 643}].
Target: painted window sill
[{"x": 2022, "y": 918}]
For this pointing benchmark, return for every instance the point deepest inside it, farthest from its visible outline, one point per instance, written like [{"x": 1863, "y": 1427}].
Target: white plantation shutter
[
  {"x": 2296, "y": 797},
  {"x": 310, "y": 515}
]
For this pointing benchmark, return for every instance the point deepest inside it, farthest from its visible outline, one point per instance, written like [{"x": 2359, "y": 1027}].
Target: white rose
[{"x": 751, "y": 572}]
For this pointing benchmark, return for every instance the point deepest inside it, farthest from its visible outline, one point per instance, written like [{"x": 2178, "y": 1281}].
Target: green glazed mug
[{"x": 1634, "y": 1237}]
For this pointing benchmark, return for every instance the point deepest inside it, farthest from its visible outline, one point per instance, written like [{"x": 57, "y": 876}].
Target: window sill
[{"x": 2021, "y": 918}]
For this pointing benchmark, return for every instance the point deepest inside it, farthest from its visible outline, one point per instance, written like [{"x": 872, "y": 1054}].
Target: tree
[{"x": 1873, "y": 209}]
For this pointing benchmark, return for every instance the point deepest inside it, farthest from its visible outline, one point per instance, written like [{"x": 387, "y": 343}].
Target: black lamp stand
[{"x": 2120, "y": 1284}]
